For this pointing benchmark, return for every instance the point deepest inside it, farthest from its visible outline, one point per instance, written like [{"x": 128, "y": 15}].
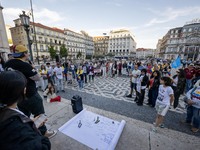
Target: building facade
[
  {"x": 122, "y": 43},
  {"x": 45, "y": 37},
  {"x": 89, "y": 44},
  {"x": 145, "y": 52},
  {"x": 182, "y": 41},
  {"x": 100, "y": 45},
  {"x": 75, "y": 42},
  {"x": 4, "y": 46}
]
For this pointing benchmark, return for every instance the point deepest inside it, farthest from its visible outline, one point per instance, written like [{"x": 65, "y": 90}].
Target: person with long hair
[
  {"x": 50, "y": 93},
  {"x": 154, "y": 83},
  {"x": 17, "y": 130},
  {"x": 164, "y": 100}
]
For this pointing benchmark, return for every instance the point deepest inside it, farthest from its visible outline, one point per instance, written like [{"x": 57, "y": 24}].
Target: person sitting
[
  {"x": 50, "y": 93},
  {"x": 17, "y": 130}
]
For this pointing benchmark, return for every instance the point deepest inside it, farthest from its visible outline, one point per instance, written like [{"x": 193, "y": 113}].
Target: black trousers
[
  {"x": 141, "y": 96},
  {"x": 33, "y": 105}
]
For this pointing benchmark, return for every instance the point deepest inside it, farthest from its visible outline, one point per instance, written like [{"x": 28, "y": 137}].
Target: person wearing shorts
[{"x": 164, "y": 100}]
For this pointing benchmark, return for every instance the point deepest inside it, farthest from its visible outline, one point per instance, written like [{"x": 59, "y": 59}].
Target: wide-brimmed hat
[{"x": 19, "y": 50}]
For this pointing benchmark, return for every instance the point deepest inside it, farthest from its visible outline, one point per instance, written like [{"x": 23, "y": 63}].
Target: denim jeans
[
  {"x": 33, "y": 105},
  {"x": 189, "y": 114},
  {"x": 188, "y": 84},
  {"x": 196, "y": 117},
  {"x": 91, "y": 76},
  {"x": 80, "y": 84},
  {"x": 59, "y": 84}
]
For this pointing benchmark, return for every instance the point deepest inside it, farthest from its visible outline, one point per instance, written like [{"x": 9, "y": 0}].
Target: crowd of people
[
  {"x": 165, "y": 84},
  {"x": 164, "y": 87}
]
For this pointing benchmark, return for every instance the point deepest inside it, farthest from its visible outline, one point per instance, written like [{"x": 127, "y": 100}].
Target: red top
[
  {"x": 189, "y": 73},
  {"x": 151, "y": 82}
]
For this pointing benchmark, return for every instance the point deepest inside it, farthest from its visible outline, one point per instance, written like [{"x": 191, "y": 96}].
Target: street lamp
[{"x": 25, "y": 21}]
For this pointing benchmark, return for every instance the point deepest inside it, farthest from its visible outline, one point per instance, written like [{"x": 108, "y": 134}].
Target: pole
[
  {"x": 29, "y": 44},
  {"x": 34, "y": 32}
]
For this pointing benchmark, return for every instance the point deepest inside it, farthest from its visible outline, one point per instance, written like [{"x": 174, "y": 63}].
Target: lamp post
[{"x": 25, "y": 21}]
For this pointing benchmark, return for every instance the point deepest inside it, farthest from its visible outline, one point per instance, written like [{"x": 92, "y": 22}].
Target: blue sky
[{"x": 148, "y": 20}]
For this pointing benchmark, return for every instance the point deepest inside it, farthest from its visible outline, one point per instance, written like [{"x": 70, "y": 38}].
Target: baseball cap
[{"x": 19, "y": 50}]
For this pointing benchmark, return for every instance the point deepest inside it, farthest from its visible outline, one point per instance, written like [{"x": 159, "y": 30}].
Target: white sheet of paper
[{"x": 95, "y": 131}]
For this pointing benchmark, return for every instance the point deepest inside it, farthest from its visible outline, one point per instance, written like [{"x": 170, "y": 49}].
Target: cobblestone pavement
[
  {"x": 116, "y": 88},
  {"x": 109, "y": 94}
]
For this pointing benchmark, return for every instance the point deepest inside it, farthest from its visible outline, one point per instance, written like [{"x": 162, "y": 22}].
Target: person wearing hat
[{"x": 34, "y": 103}]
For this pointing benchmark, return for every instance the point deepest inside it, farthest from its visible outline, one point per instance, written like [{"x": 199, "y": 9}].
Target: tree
[
  {"x": 52, "y": 52},
  {"x": 110, "y": 54},
  {"x": 63, "y": 51},
  {"x": 79, "y": 55}
]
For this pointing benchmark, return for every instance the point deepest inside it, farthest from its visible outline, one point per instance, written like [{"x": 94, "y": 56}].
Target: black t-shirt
[{"x": 28, "y": 72}]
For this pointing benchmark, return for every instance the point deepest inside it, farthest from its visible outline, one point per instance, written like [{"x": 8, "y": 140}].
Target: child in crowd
[
  {"x": 50, "y": 93},
  {"x": 164, "y": 100},
  {"x": 141, "y": 86}
]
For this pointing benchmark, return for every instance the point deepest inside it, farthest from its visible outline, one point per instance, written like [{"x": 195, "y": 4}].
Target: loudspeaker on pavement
[{"x": 76, "y": 103}]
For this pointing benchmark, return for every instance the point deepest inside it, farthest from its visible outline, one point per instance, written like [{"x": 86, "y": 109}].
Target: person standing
[
  {"x": 133, "y": 79},
  {"x": 104, "y": 68},
  {"x": 120, "y": 68},
  {"x": 189, "y": 74},
  {"x": 91, "y": 72},
  {"x": 164, "y": 100},
  {"x": 193, "y": 100},
  {"x": 34, "y": 103},
  {"x": 43, "y": 77},
  {"x": 154, "y": 83},
  {"x": 178, "y": 85},
  {"x": 85, "y": 72},
  {"x": 144, "y": 79},
  {"x": 79, "y": 74},
  {"x": 58, "y": 72},
  {"x": 49, "y": 72}
]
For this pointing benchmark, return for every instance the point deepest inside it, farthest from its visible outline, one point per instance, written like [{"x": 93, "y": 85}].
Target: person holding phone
[{"x": 17, "y": 130}]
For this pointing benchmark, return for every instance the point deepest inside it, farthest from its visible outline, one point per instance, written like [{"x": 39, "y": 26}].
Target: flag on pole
[{"x": 176, "y": 63}]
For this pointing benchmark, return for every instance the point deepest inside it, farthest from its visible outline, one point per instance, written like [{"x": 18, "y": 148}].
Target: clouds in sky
[
  {"x": 41, "y": 15},
  {"x": 171, "y": 14},
  {"x": 148, "y": 20}
]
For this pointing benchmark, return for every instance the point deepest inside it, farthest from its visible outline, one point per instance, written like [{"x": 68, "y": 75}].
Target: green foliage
[
  {"x": 52, "y": 52},
  {"x": 88, "y": 56},
  {"x": 110, "y": 54},
  {"x": 79, "y": 55},
  {"x": 99, "y": 56},
  {"x": 63, "y": 51}
]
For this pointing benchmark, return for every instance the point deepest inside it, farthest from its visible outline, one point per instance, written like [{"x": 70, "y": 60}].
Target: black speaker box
[{"x": 76, "y": 103}]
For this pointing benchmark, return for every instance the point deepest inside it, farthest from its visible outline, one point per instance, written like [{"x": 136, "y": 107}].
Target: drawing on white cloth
[{"x": 93, "y": 130}]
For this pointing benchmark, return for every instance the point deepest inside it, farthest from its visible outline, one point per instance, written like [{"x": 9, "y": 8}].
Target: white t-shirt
[
  {"x": 59, "y": 72},
  {"x": 175, "y": 81},
  {"x": 164, "y": 95},
  {"x": 135, "y": 73},
  {"x": 49, "y": 70}
]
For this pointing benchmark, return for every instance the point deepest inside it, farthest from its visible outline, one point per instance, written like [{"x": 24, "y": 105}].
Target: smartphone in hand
[{"x": 41, "y": 119}]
